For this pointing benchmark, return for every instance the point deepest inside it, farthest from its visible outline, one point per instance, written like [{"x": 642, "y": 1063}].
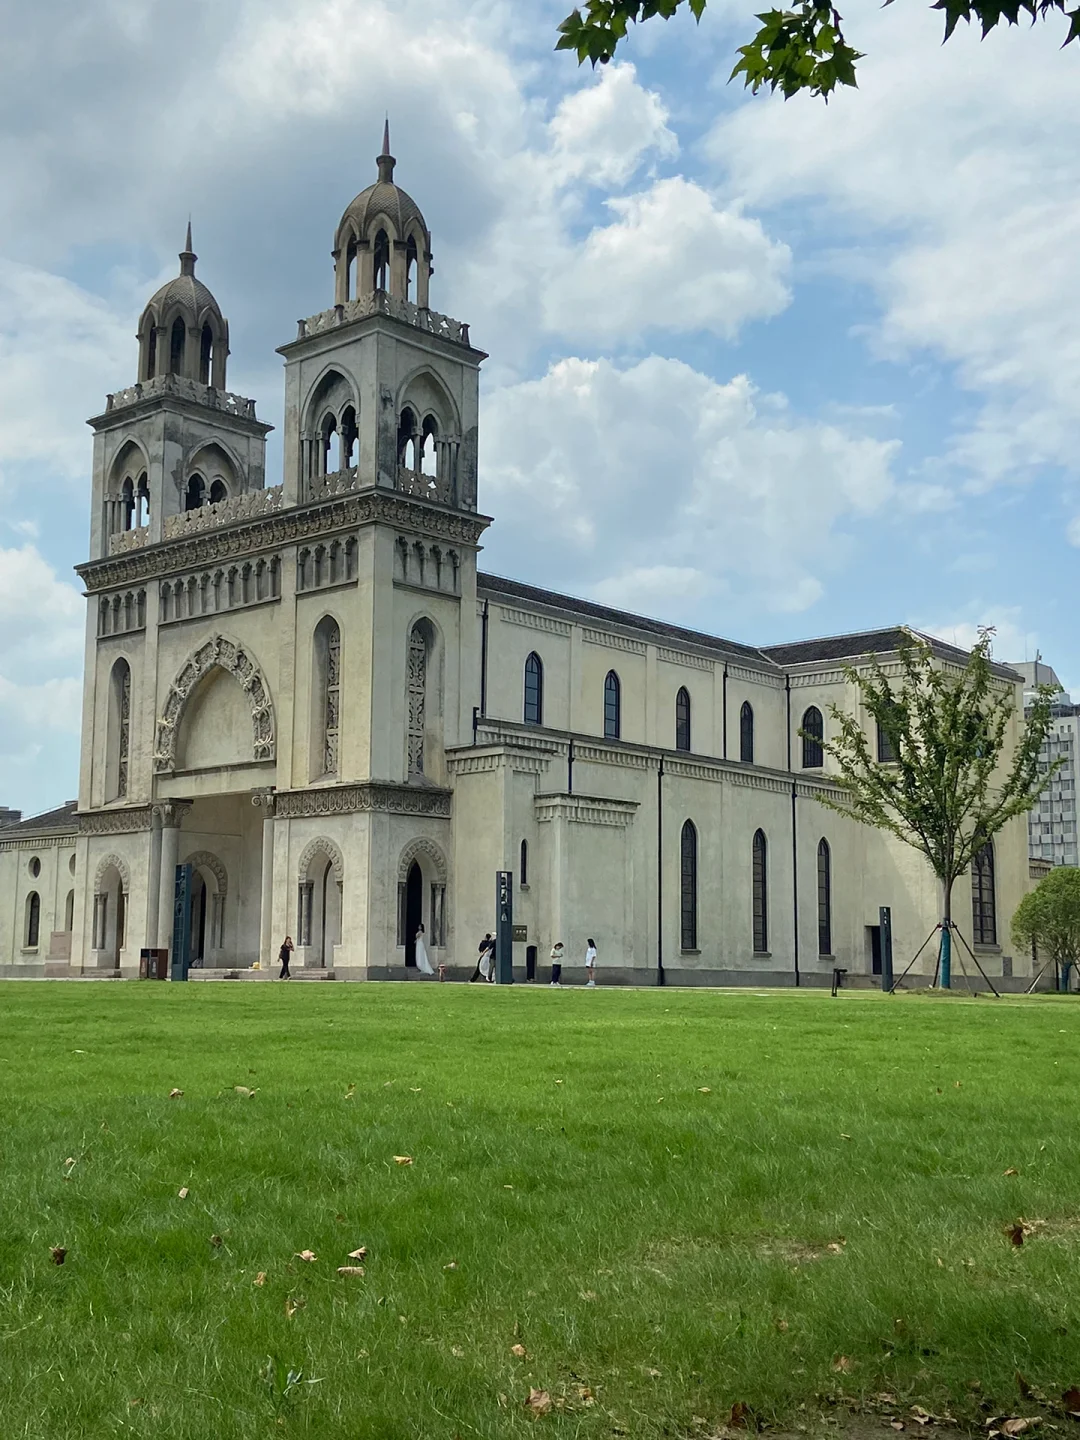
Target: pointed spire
[
  {"x": 187, "y": 255},
  {"x": 386, "y": 161}
]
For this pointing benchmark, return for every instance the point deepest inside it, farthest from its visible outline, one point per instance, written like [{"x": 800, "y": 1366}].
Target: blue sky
[{"x": 771, "y": 369}]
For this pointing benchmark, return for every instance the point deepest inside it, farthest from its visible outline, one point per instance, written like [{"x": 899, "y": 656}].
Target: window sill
[
  {"x": 762, "y": 954},
  {"x": 684, "y": 951},
  {"x": 987, "y": 949},
  {"x": 29, "y": 950},
  {"x": 523, "y": 886}
]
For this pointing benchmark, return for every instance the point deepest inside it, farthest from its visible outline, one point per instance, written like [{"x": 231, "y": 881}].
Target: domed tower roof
[
  {"x": 182, "y": 330},
  {"x": 186, "y": 292},
  {"x": 383, "y": 198}
]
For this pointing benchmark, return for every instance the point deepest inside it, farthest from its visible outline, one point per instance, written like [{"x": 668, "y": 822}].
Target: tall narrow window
[
  {"x": 983, "y": 903},
  {"x": 523, "y": 870},
  {"x": 410, "y": 268},
  {"x": 886, "y": 750},
  {"x": 682, "y": 719},
  {"x": 119, "y": 732},
  {"x": 33, "y": 919},
  {"x": 206, "y": 350},
  {"x": 746, "y": 733},
  {"x": 437, "y": 928},
  {"x": 417, "y": 699},
  {"x": 326, "y": 699},
  {"x": 760, "y": 882},
  {"x": 813, "y": 753},
  {"x": 196, "y": 493},
  {"x": 612, "y": 706},
  {"x": 177, "y": 341},
  {"x": 688, "y": 887},
  {"x": 382, "y": 261},
  {"x": 824, "y": 898},
  {"x": 69, "y": 912},
  {"x": 534, "y": 690}
]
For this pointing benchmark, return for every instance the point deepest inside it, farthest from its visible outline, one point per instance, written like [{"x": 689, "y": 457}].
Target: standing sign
[
  {"x": 181, "y": 929},
  {"x": 504, "y": 927},
  {"x": 885, "y": 920}
]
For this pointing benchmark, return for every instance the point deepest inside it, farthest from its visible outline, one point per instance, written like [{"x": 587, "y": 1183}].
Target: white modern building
[{"x": 1052, "y": 824}]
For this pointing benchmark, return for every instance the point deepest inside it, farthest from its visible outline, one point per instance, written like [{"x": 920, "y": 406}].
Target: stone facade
[{"x": 309, "y": 694}]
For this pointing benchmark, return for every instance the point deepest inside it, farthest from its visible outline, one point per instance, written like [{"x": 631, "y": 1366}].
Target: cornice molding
[
  {"x": 370, "y": 795},
  {"x": 755, "y": 677},
  {"x": 613, "y": 641},
  {"x": 529, "y": 621},
  {"x": 289, "y": 526},
  {"x": 115, "y": 822},
  {"x": 51, "y": 841},
  {"x": 683, "y": 657},
  {"x": 585, "y": 810}
]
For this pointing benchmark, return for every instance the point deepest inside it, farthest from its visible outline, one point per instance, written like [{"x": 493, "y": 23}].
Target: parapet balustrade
[
  {"x": 424, "y": 487},
  {"x": 381, "y": 303},
  {"x": 338, "y": 482},
  {"x": 125, "y": 540},
  {"x": 185, "y": 389},
  {"x": 252, "y": 505}
]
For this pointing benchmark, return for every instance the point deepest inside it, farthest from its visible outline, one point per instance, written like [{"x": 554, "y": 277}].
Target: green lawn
[{"x": 673, "y": 1200}]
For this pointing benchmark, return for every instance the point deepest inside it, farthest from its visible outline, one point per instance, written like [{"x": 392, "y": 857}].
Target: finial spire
[
  {"x": 187, "y": 255},
  {"x": 386, "y": 161}
]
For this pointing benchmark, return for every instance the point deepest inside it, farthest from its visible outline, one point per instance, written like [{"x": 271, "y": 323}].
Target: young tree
[
  {"x": 1048, "y": 917},
  {"x": 798, "y": 49},
  {"x": 938, "y": 776}
]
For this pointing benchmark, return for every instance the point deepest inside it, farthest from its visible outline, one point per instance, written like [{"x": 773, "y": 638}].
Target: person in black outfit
[
  {"x": 484, "y": 947},
  {"x": 283, "y": 956}
]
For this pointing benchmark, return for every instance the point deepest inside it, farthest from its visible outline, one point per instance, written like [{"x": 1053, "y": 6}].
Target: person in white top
[
  {"x": 556, "y": 964},
  {"x": 423, "y": 964},
  {"x": 590, "y": 965}
]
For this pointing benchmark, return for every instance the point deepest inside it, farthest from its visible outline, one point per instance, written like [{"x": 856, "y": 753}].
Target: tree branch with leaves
[
  {"x": 1048, "y": 920},
  {"x": 799, "y": 49},
  {"x": 951, "y": 780}
]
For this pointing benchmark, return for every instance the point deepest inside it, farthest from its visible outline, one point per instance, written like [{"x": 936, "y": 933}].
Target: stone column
[
  {"x": 264, "y": 800},
  {"x": 172, "y": 812},
  {"x": 153, "y": 880}
]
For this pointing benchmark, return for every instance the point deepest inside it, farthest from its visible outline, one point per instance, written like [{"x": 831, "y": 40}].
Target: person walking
[
  {"x": 283, "y": 956},
  {"x": 556, "y": 964},
  {"x": 482, "y": 951},
  {"x": 590, "y": 965},
  {"x": 423, "y": 964}
]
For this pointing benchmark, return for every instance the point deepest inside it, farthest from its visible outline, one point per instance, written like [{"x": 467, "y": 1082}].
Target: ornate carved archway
[
  {"x": 113, "y": 862},
  {"x": 422, "y": 846},
  {"x": 226, "y": 655},
  {"x": 330, "y": 850},
  {"x": 206, "y": 860}
]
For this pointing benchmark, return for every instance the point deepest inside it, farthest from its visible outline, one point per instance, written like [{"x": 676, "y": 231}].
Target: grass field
[{"x": 673, "y": 1201}]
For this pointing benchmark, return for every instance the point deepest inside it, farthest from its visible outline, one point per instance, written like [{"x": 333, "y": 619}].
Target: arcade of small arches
[
  {"x": 213, "y": 591},
  {"x": 212, "y": 476}
]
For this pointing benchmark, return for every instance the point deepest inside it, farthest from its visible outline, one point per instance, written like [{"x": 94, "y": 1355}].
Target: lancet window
[
  {"x": 824, "y": 898},
  {"x": 688, "y": 857},
  {"x": 983, "y": 900},
  {"x": 746, "y": 733},
  {"x": 760, "y": 893},
  {"x": 813, "y": 753},
  {"x": 417, "y": 699}
]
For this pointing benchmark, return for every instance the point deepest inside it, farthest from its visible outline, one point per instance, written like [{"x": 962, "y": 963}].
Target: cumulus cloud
[
  {"x": 602, "y": 133},
  {"x": 653, "y": 481},
  {"x": 1014, "y": 638}
]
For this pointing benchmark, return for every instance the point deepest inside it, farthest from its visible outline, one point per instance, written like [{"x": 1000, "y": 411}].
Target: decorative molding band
[
  {"x": 53, "y": 841},
  {"x": 501, "y": 759},
  {"x": 115, "y": 822},
  {"x": 371, "y": 795},
  {"x": 752, "y": 781},
  {"x": 229, "y": 656},
  {"x": 807, "y": 790},
  {"x": 820, "y": 677},
  {"x": 613, "y": 755},
  {"x": 288, "y": 526},
  {"x": 534, "y": 622},
  {"x": 585, "y": 810},
  {"x": 755, "y": 677},
  {"x": 496, "y": 733},
  {"x": 694, "y": 770},
  {"x": 613, "y": 642},
  {"x": 683, "y": 657}
]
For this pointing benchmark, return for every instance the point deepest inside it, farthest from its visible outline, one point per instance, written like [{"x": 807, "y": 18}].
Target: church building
[{"x": 309, "y": 694}]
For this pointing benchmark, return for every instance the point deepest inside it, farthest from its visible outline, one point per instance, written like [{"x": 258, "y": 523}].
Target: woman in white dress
[{"x": 423, "y": 964}]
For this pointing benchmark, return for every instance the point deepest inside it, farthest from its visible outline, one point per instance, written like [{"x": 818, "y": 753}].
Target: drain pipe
[
  {"x": 661, "y": 978},
  {"x": 794, "y": 841},
  {"x": 723, "y": 705},
  {"x": 570, "y": 769},
  {"x": 483, "y": 659}
]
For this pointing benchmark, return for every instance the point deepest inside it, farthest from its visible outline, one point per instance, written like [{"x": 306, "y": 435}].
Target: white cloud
[
  {"x": 654, "y": 480},
  {"x": 671, "y": 261},
  {"x": 1014, "y": 640},
  {"x": 954, "y": 177},
  {"x": 601, "y": 133}
]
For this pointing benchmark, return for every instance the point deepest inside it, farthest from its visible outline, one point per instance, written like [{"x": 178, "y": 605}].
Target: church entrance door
[
  {"x": 414, "y": 911},
  {"x": 198, "y": 920}
]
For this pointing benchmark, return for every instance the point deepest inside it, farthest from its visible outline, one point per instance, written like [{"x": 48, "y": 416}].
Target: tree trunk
[{"x": 945, "y": 954}]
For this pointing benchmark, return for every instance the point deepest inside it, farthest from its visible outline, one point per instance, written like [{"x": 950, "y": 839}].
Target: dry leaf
[
  {"x": 836, "y": 1248},
  {"x": 308, "y": 1255},
  {"x": 1011, "y": 1171},
  {"x": 457, "y": 1351},
  {"x": 844, "y": 1137},
  {"x": 175, "y": 1094},
  {"x": 292, "y": 1306},
  {"x": 539, "y": 1402},
  {"x": 350, "y": 1270},
  {"x": 182, "y": 1193},
  {"x": 243, "y": 1090},
  {"x": 216, "y": 1241},
  {"x": 843, "y": 1364},
  {"x": 588, "y": 1294},
  {"x": 739, "y": 1419},
  {"x": 59, "y": 1254},
  {"x": 941, "y": 1263},
  {"x": 1071, "y": 1400},
  {"x": 1020, "y": 1424},
  {"x": 781, "y": 1325},
  {"x": 260, "y": 1278},
  {"x": 402, "y": 1159},
  {"x": 1016, "y": 1233},
  {"x": 519, "y": 1351},
  {"x": 704, "y": 1090},
  {"x": 451, "y": 1266},
  {"x": 583, "y": 1395},
  {"x": 922, "y": 1416},
  {"x": 653, "y": 1374},
  {"x": 897, "y": 1424},
  {"x": 360, "y": 1254}
]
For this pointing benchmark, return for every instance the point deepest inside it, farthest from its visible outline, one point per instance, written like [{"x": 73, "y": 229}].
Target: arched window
[
  {"x": 886, "y": 750},
  {"x": 688, "y": 887},
  {"x": 760, "y": 886},
  {"x": 534, "y": 690},
  {"x": 429, "y": 454},
  {"x": 382, "y": 261},
  {"x": 118, "y": 741},
  {"x": 612, "y": 706},
  {"x": 746, "y": 733},
  {"x": 983, "y": 903},
  {"x": 177, "y": 341},
  {"x": 69, "y": 912},
  {"x": 218, "y": 491},
  {"x": 407, "y": 439},
  {"x": 348, "y": 436},
  {"x": 813, "y": 755},
  {"x": 33, "y": 919},
  {"x": 417, "y": 698},
  {"x": 127, "y": 503},
  {"x": 327, "y": 431},
  {"x": 195, "y": 494},
  {"x": 410, "y": 268},
  {"x": 326, "y": 695},
  {"x": 142, "y": 501},
  {"x": 206, "y": 350},
  {"x": 523, "y": 873},
  {"x": 824, "y": 898},
  {"x": 682, "y": 719}
]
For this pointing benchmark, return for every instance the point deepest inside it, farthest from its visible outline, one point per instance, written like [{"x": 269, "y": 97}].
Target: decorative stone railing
[
  {"x": 250, "y": 506},
  {"x": 185, "y": 389},
  {"x": 380, "y": 303},
  {"x": 423, "y": 487},
  {"x": 126, "y": 540},
  {"x": 338, "y": 482}
]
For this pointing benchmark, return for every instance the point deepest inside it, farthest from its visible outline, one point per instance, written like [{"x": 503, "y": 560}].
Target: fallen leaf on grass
[
  {"x": 836, "y": 1247},
  {"x": 897, "y": 1424},
  {"x": 350, "y": 1092},
  {"x": 451, "y": 1266},
  {"x": 740, "y": 1418},
  {"x": 653, "y": 1374},
  {"x": 360, "y": 1254},
  {"x": 403, "y": 1160},
  {"x": 519, "y": 1351},
  {"x": 59, "y": 1254},
  {"x": 457, "y": 1352},
  {"x": 260, "y": 1278},
  {"x": 704, "y": 1090},
  {"x": 781, "y": 1325},
  {"x": 1071, "y": 1400},
  {"x": 350, "y": 1270},
  {"x": 588, "y": 1294},
  {"x": 921, "y": 1416},
  {"x": 292, "y": 1306},
  {"x": 1016, "y": 1232},
  {"x": 1015, "y": 1425},
  {"x": 244, "y": 1091},
  {"x": 182, "y": 1193},
  {"x": 582, "y": 1395},
  {"x": 175, "y": 1094},
  {"x": 1012, "y": 1170},
  {"x": 539, "y": 1402},
  {"x": 843, "y": 1364},
  {"x": 216, "y": 1241},
  {"x": 308, "y": 1255}
]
